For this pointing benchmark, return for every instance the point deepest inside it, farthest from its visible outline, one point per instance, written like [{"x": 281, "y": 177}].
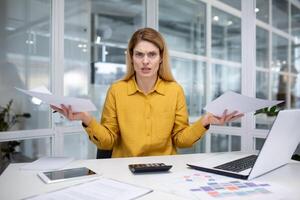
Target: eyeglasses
[{"x": 151, "y": 55}]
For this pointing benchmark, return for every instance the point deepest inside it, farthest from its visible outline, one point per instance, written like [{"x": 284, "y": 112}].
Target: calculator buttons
[{"x": 149, "y": 167}]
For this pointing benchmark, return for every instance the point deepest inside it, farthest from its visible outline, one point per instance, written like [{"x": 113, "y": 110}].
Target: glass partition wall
[
  {"x": 25, "y": 62},
  {"x": 96, "y": 37},
  {"x": 77, "y": 48},
  {"x": 277, "y": 58}
]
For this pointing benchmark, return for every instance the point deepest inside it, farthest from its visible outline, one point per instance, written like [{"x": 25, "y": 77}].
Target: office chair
[{"x": 101, "y": 153}]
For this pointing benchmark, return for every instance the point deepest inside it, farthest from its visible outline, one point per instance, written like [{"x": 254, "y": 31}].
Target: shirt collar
[{"x": 133, "y": 87}]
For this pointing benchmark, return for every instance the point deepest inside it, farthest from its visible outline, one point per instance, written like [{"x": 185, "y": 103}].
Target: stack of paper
[{"x": 101, "y": 189}]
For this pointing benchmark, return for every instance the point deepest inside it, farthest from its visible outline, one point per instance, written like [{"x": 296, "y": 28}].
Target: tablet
[{"x": 66, "y": 174}]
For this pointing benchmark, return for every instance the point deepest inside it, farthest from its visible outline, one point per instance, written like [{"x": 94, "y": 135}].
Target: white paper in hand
[
  {"x": 78, "y": 104},
  {"x": 236, "y": 102}
]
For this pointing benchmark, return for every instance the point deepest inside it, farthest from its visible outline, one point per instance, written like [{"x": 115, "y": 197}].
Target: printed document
[
  {"x": 195, "y": 185},
  {"x": 236, "y": 102},
  {"x": 78, "y": 104},
  {"x": 101, "y": 189}
]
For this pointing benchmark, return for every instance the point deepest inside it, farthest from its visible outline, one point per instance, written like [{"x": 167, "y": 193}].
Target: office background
[{"x": 77, "y": 48}]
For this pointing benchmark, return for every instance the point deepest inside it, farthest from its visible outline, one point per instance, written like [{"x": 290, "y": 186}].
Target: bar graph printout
[{"x": 201, "y": 185}]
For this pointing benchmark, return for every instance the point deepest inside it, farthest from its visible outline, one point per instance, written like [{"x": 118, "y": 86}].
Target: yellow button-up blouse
[{"x": 135, "y": 124}]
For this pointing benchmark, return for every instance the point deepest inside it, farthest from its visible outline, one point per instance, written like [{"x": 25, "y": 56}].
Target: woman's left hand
[{"x": 210, "y": 119}]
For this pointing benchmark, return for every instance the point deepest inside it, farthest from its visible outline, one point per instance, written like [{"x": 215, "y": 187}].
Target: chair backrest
[{"x": 101, "y": 153}]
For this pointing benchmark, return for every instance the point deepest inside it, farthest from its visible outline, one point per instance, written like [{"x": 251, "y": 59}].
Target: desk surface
[{"x": 18, "y": 184}]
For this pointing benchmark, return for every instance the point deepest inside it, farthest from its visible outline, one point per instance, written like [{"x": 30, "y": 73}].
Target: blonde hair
[{"x": 153, "y": 36}]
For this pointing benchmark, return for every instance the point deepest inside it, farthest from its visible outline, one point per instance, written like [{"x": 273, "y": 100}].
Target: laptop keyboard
[{"x": 239, "y": 164}]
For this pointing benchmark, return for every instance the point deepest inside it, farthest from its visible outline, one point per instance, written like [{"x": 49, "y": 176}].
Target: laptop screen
[{"x": 280, "y": 144}]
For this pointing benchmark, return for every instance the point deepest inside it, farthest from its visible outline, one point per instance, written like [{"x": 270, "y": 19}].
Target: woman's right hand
[{"x": 67, "y": 112}]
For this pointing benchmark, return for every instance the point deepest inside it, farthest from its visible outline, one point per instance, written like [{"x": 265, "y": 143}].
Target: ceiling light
[
  {"x": 216, "y": 18},
  {"x": 98, "y": 40}
]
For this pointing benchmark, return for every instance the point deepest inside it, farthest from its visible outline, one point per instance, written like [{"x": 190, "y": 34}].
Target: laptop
[{"x": 280, "y": 144}]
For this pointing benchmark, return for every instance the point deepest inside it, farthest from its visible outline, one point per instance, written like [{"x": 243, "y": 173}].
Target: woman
[{"x": 145, "y": 113}]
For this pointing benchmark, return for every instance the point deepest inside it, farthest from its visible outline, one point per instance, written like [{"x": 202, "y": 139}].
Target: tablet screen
[{"x": 69, "y": 173}]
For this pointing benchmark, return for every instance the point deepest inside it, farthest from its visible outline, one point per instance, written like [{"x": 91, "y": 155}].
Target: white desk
[{"x": 17, "y": 184}]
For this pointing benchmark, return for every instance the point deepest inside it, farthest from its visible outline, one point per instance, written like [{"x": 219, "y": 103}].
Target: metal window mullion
[
  {"x": 190, "y": 56},
  {"x": 25, "y": 134},
  {"x": 261, "y": 133},
  {"x": 208, "y": 69},
  {"x": 228, "y": 130},
  {"x": 270, "y": 47},
  {"x": 71, "y": 129},
  {"x": 289, "y": 89},
  {"x": 270, "y": 50},
  {"x": 281, "y": 33},
  {"x": 229, "y": 143},
  {"x": 228, "y": 9},
  {"x": 295, "y": 3},
  {"x": 270, "y": 66},
  {"x": 152, "y": 13},
  {"x": 248, "y": 70},
  {"x": 27, "y": 51},
  {"x": 186, "y": 55},
  {"x": 57, "y": 54},
  {"x": 260, "y": 69},
  {"x": 103, "y": 53},
  {"x": 90, "y": 43},
  {"x": 274, "y": 30},
  {"x": 263, "y": 25}
]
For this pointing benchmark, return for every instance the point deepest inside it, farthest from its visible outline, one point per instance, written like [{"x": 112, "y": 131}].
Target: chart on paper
[{"x": 201, "y": 185}]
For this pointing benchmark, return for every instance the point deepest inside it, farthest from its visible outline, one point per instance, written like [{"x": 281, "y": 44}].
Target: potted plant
[
  {"x": 269, "y": 111},
  {"x": 7, "y": 120}
]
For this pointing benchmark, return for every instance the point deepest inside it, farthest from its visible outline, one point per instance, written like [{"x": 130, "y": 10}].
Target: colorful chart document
[
  {"x": 77, "y": 104},
  {"x": 236, "y": 102},
  {"x": 201, "y": 185}
]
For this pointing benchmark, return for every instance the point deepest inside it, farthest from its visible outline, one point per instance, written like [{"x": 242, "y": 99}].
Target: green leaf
[{"x": 273, "y": 109}]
